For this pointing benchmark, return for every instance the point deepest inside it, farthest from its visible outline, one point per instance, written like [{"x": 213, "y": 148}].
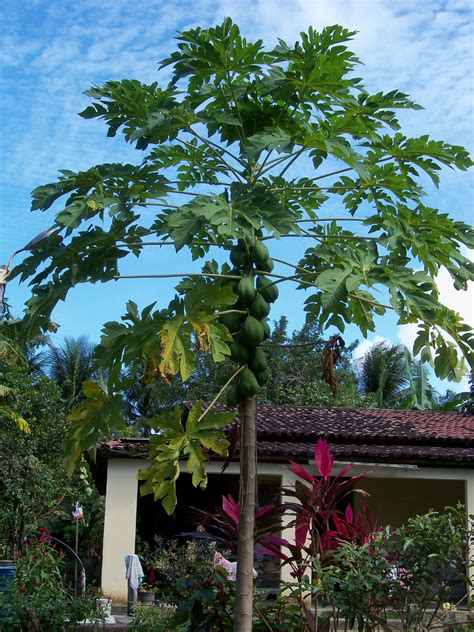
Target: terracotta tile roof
[
  {"x": 365, "y": 424},
  {"x": 429, "y": 455},
  {"x": 358, "y": 434}
]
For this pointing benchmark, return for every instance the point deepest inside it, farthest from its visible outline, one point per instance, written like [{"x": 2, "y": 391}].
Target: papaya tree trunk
[{"x": 248, "y": 488}]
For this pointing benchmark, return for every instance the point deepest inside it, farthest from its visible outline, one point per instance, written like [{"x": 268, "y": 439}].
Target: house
[{"x": 415, "y": 460}]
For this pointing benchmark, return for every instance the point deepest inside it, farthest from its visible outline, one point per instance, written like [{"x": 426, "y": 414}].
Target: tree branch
[
  {"x": 237, "y": 110},
  {"x": 322, "y": 237},
  {"x": 214, "y": 146},
  {"x": 293, "y": 344},
  {"x": 295, "y": 157},
  {"x": 292, "y": 265},
  {"x": 277, "y": 161},
  {"x": 216, "y": 153},
  {"x": 191, "y": 184},
  {"x": 162, "y": 204},
  {"x": 332, "y": 219},
  {"x": 368, "y": 300},
  {"x": 335, "y": 187},
  {"x": 346, "y": 169},
  {"x": 265, "y": 160},
  {"x": 180, "y": 276},
  {"x": 234, "y": 375}
]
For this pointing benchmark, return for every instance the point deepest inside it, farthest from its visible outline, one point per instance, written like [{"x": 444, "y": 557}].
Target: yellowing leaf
[
  {"x": 177, "y": 439},
  {"x": 176, "y": 355},
  {"x": 23, "y": 425}
]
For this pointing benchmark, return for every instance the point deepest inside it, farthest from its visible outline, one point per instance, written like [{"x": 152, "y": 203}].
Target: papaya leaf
[
  {"x": 177, "y": 439},
  {"x": 175, "y": 353},
  {"x": 92, "y": 421}
]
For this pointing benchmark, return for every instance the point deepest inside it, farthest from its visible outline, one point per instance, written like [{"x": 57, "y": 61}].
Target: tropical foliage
[
  {"x": 375, "y": 578},
  {"x": 224, "y": 134},
  {"x": 383, "y": 372},
  {"x": 41, "y": 598},
  {"x": 401, "y": 579},
  {"x": 33, "y": 485},
  {"x": 35, "y": 490},
  {"x": 69, "y": 365}
]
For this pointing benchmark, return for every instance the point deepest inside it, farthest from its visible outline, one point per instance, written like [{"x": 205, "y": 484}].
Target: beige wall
[
  {"x": 119, "y": 525},
  {"x": 393, "y": 501},
  {"x": 397, "y": 493}
]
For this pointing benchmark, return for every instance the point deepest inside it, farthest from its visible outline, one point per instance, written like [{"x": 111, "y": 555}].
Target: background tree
[
  {"x": 296, "y": 377},
  {"x": 420, "y": 394},
  {"x": 393, "y": 379},
  {"x": 69, "y": 365},
  {"x": 35, "y": 490},
  {"x": 383, "y": 372},
  {"x": 221, "y": 141}
]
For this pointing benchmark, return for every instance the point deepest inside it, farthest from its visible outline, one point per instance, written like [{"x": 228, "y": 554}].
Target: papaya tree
[{"x": 242, "y": 145}]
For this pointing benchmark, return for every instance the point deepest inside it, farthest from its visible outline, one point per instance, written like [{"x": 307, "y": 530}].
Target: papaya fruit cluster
[{"x": 250, "y": 258}]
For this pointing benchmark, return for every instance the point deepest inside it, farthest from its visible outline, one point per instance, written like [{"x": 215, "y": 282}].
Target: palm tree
[
  {"x": 383, "y": 372},
  {"x": 70, "y": 365}
]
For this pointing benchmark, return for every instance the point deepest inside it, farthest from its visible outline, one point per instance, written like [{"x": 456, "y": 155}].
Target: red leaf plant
[
  {"x": 221, "y": 526},
  {"x": 320, "y": 525}
]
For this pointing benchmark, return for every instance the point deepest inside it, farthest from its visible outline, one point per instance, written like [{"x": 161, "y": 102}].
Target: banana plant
[{"x": 420, "y": 395}]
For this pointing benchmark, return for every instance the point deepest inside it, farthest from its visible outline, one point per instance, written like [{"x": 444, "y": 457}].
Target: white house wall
[
  {"x": 397, "y": 491},
  {"x": 393, "y": 501},
  {"x": 119, "y": 525}
]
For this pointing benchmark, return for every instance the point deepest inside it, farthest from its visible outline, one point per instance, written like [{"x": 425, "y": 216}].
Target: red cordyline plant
[
  {"x": 221, "y": 526},
  {"x": 320, "y": 525}
]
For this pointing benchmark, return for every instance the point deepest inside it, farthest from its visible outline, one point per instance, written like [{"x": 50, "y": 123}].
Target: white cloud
[
  {"x": 461, "y": 302},
  {"x": 365, "y": 345}
]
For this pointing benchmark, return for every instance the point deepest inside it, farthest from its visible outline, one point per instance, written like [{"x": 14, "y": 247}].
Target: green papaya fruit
[
  {"x": 246, "y": 243},
  {"x": 232, "y": 282},
  {"x": 267, "y": 266},
  {"x": 262, "y": 378},
  {"x": 239, "y": 352},
  {"x": 259, "y": 253},
  {"x": 245, "y": 289},
  {"x": 248, "y": 385},
  {"x": 232, "y": 396},
  {"x": 231, "y": 321},
  {"x": 251, "y": 331},
  {"x": 259, "y": 307},
  {"x": 266, "y": 329},
  {"x": 267, "y": 288},
  {"x": 238, "y": 256},
  {"x": 258, "y": 361}
]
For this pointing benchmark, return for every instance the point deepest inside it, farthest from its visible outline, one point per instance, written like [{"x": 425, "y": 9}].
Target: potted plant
[{"x": 146, "y": 594}]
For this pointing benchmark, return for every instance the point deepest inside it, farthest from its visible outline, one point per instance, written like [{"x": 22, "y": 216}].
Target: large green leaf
[
  {"x": 92, "y": 420},
  {"x": 182, "y": 438}
]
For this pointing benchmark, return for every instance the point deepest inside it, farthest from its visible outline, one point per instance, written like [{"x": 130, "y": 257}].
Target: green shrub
[
  {"x": 40, "y": 599},
  {"x": 155, "y": 618},
  {"x": 405, "y": 574}
]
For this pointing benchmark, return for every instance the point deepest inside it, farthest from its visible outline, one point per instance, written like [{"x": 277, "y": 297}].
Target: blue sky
[{"x": 53, "y": 51}]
